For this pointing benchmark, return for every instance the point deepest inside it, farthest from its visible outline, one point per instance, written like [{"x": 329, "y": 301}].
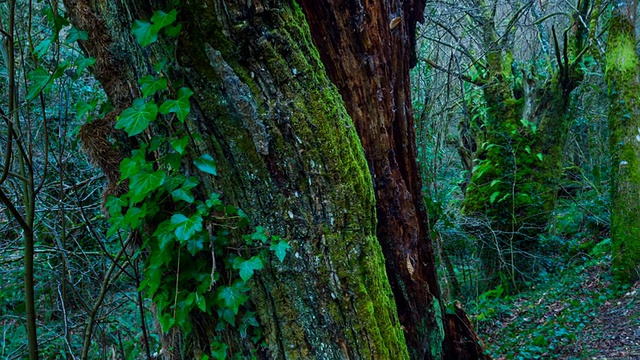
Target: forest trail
[
  {"x": 607, "y": 331},
  {"x": 614, "y": 332}
]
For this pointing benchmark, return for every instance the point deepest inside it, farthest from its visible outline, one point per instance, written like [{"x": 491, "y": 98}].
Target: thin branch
[{"x": 477, "y": 82}]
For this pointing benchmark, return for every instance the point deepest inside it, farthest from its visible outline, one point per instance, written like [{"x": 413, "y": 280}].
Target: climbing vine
[{"x": 200, "y": 253}]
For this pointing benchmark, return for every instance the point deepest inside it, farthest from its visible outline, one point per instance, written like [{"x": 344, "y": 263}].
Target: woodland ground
[{"x": 586, "y": 320}]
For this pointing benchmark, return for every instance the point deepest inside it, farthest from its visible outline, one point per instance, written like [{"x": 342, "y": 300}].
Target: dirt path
[{"x": 614, "y": 333}]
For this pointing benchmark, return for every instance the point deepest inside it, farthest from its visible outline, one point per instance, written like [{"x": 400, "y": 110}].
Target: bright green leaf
[
  {"x": 143, "y": 183},
  {"x": 74, "y": 35},
  {"x": 144, "y": 32},
  {"x": 180, "y": 145},
  {"x": 128, "y": 168},
  {"x": 136, "y": 119},
  {"x": 41, "y": 49},
  {"x": 182, "y": 194},
  {"x": 150, "y": 85},
  {"x": 206, "y": 164},
  {"x": 82, "y": 63},
  {"x": 493, "y": 196},
  {"x": 247, "y": 267},
  {"x": 164, "y": 235},
  {"x": 186, "y": 227},
  {"x": 234, "y": 296},
  {"x": 133, "y": 216},
  {"x": 82, "y": 107},
  {"x": 280, "y": 249},
  {"x": 180, "y": 107},
  {"x": 539, "y": 156},
  {"x": 260, "y": 235},
  {"x": 161, "y": 19},
  {"x": 40, "y": 79}
]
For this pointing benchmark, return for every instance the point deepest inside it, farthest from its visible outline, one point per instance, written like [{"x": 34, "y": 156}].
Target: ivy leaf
[
  {"x": 40, "y": 79},
  {"x": 173, "y": 31},
  {"x": 128, "y": 168},
  {"x": 280, "y": 249},
  {"x": 201, "y": 302},
  {"x": 82, "y": 63},
  {"x": 194, "y": 245},
  {"x": 186, "y": 227},
  {"x": 182, "y": 194},
  {"x": 150, "y": 85},
  {"x": 133, "y": 216},
  {"x": 144, "y": 32},
  {"x": 232, "y": 297},
  {"x": 247, "y": 267},
  {"x": 161, "y": 19},
  {"x": 143, "y": 183},
  {"x": 260, "y": 235},
  {"x": 82, "y": 107},
  {"x": 136, "y": 119},
  {"x": 41, "y": 49},
  {"x": 164, "y": 235},
  {"x": 180, "y": 107},
  {"x": 180, "y": 145},
  {"x": 206, "y": 164},
  {"x": 74, "y": 35},
  {"x": 493, "y": 196}
]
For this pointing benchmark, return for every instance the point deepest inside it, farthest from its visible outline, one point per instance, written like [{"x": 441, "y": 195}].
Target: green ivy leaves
[
  {"x": 137, "y": 118},
  {"x": 147, "y": 32},
  {"x": 181, "y": 107}
]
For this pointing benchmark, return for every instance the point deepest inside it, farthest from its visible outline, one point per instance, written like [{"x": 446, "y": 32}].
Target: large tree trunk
[
  {"x": 368, "y": 50},
  {"x": 624, "y": 132},
  {"x": 289, "y": 155}
]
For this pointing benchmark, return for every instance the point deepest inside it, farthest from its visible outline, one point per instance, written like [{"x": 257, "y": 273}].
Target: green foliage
[
  {"x": 539, "y": 323},
  {"x": 199, "y": 256}
]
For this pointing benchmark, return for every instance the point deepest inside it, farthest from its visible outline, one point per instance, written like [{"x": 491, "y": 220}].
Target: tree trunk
[
  {"x": 514, "y": 185},
  {"x": 289, "y": 155},
  {"x": 368, "y": 50},
  {"x": 624, "y": 132}
]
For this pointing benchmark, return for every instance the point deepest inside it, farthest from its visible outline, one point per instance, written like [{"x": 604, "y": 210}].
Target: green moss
[
  {"x": 622, "y": 55},
  {"x": 624, "y": 122}
]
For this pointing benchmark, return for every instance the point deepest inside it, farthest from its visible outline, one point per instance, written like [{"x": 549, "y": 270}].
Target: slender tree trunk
[{"x": 624, "y": 132}]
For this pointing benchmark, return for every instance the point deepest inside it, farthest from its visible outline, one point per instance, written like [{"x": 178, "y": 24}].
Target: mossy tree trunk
[
  {"x": 624, "y": 132},
  {"x": 368, "y": 50},
  {"x": 289, "y": 155},
  {"x": 513, "y": 187}
]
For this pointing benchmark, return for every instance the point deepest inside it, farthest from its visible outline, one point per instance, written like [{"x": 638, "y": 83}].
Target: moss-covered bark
[
  {"x": 624, "y": 132},
  {"x": 368, "y": 49},
  {"x": 288, "y": 154}
]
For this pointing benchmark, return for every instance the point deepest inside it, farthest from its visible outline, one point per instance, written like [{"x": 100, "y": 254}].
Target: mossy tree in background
[
  {"x": 621, "y": 74},
  {"x": 520, "y": 143},
  {"x": 289, "y": 155}
]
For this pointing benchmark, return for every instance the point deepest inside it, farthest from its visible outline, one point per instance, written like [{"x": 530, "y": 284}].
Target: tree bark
[
  {"x": 368, "y": 49},
  {"x": 289, "y": 155},
  {"x": 624, "y": 139}
]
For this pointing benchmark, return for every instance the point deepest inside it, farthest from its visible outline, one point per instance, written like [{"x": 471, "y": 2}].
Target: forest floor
[
  {"x": 614, "y": 332},
  {"x": 582, "y": 318}
]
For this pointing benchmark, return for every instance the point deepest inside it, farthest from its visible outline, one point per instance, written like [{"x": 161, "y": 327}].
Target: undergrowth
[{"x": 541, "y": 322}]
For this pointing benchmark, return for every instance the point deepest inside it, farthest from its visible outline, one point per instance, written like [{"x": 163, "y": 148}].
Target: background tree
[
  {"x": 288, "y": 156},
  {"x": 513, "y": 135},
  {"x": 621, "y": 73}
]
